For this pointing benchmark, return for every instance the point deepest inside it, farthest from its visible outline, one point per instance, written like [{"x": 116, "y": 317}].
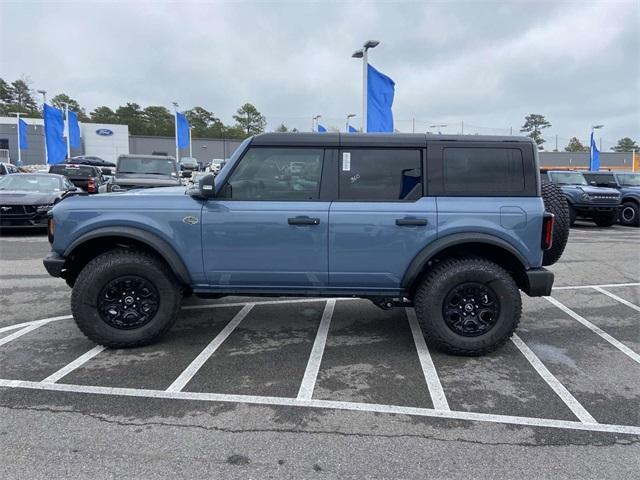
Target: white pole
[
  {"x": 190, "y": 147},
  {"x": 18, "y": 131},
  {"x": 364, "y": 89},
  {"x": 66, "y": 114}
]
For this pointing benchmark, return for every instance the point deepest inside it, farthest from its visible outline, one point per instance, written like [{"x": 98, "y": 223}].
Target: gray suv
[{"x": 142, "y": 171}]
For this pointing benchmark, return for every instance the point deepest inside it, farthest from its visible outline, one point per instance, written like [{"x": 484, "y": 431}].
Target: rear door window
[
  {"x": 472, "y": 170},
  {"x": 390, "y": 175}
]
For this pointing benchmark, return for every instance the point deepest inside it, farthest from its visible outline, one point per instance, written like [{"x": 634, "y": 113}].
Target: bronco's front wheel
[
  {"x": 468, "y": 306},
  {"x": 125, "y": 298}
]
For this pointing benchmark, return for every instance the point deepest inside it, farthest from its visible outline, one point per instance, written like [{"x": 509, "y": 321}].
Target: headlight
[
  {"x": 586, "y": 197},
  {"x": 44, "y": 208}
]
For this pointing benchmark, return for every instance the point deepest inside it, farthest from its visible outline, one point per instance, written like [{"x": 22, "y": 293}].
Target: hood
[
  {"x": 21, "y": 197},
  {"x": 592, "y": 190},
  {"x": 153, "y": 191}
]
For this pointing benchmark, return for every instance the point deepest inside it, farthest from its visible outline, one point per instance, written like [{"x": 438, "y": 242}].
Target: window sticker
[{"x": 346, "y": 161}]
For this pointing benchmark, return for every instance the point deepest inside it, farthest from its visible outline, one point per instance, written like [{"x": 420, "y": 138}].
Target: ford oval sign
[{"x": 105, "y": 132}]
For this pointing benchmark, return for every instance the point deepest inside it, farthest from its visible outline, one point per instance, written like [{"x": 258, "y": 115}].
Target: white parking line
[
  {"x": 327, "y": 404},
  {"x": 428, "y": 368},
  {"x": 608, "y": 285},
  {"x": 77, "y": 363},
  {"x": 568, "y": 399},
  {"x": 313, "y": 365},
  {"x": 23, "y": 331},
  {"x": 189, "y": 372},
  {"x": 617, "y": 298},
  {"x": 31, "y": 322},
  {"x": 619, "y": 345}
]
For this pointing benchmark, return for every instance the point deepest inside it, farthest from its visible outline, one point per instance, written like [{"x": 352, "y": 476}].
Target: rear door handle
[
  {"x": 411, "y": 222},
  {"x": 303, "y": 221}
]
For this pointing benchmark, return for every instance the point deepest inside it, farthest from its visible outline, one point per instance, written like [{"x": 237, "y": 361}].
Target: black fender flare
[
  {"x": 420, "y": 260},
  {"x": 164, "y": 249}
]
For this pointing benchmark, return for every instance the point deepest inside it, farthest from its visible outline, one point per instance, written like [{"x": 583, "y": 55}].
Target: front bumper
[
  {"x": 54, "y": 263},
  {"x": 539, "y": 282}
]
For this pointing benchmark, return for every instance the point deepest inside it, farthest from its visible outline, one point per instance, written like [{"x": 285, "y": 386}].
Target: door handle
[
  {"x": 411, "y": 222},
  {"x": 303, "y": 221}
]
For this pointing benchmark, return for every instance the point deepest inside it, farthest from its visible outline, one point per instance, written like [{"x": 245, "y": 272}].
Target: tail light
[
  {"x": 50, "y": 228},
  {"x": 91, "y": 185},
  {"x": 548, "y": 221}
]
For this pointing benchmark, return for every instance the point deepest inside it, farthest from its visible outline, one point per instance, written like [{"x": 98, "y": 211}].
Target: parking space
[{"x": 573, "y": 367}]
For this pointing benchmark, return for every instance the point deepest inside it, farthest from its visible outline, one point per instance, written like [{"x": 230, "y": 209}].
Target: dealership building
[{"x": 108, "y": 141}]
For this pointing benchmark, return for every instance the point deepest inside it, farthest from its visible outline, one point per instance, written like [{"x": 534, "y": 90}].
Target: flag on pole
[
  {"x": 352, "y": 129},
  {"x": 182, "y": 134},
  {"x": 73, "y": 129},
  {"x": 635, "y": 161},
  {"x": 321, "y": 129},
  {"x": 595, "y": 156},
  {"x": 380, "y": 91},
  {"x": 22, "y": 134},
  {"x": 54, "y": 134}
]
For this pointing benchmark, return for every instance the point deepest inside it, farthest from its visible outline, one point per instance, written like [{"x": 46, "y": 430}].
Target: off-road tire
[
  {"x": 555, "y": 202},
  {"x": 441, "y": 280},
  {"x": 110, "y": 266},
  {"x": 625, "y": 209},
  {"x": 605, "y": 220}
]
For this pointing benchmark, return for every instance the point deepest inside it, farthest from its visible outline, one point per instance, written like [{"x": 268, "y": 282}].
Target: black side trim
[
  {"x": 539, "y": 282},
  {"x": 417, "y": 264},
  {"x": 54, "y": 264},
  {"x": 165, "y": 250}
]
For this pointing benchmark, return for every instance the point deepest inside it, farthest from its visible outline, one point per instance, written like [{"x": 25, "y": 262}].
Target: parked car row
[{"x": 603, "y": 197}]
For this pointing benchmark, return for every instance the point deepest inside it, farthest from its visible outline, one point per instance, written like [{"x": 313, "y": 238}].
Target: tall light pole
[
  {"x": 362, "y": 53},
  {"x": 175, "y": 114},
  {"x": 349, "y": 115},
  {"x": 44, "y": 101},
  {"x": 314, "y": 122}
]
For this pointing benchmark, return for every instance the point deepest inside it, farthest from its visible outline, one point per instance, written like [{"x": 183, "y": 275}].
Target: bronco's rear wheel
[
  {"x": 555, "y": 202},
  {"x": 125, "y": 298},
  {"x": 468, "y": 306}
]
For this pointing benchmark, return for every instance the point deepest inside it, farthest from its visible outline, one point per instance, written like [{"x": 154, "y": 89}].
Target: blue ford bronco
[
  {"x": 452, "y": 225},
  {"x": 628, "y": 184},
  {"x": 586, "y": 201}
]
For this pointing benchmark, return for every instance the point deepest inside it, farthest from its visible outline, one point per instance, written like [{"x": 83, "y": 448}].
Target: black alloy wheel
[{"x": 471, "y": 309}]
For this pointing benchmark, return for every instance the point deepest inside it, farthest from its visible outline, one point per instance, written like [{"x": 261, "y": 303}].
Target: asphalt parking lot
[{"x": 273, "y": 388}]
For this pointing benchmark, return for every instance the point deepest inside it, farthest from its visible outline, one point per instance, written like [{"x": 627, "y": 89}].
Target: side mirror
[{"x": 205, "y": 189}]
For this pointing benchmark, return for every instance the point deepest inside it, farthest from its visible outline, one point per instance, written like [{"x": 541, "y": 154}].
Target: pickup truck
[{"x": 454, "y": 226}]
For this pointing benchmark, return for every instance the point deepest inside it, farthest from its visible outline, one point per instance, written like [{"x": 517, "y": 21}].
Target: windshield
[
  {"x": 188, "y": 161},
  {"x": 568, "y": 178},
  {"x": 150, "y": 166},
  {"x": 629, "y": 179},
  {"x": 31, "y": 183},
  {"x": 72, "y": 170}
]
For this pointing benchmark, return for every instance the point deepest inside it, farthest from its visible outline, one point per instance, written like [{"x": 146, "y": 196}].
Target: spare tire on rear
[{"x": 555, "y": 202}]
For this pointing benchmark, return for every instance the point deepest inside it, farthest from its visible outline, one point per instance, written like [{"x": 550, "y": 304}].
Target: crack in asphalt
[{"x": 103, "y": 418}]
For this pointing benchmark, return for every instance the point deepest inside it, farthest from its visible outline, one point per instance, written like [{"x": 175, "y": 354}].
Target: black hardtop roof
[
  {"x": 150, "y": 157},
  {"x": 373, "y": 139}
]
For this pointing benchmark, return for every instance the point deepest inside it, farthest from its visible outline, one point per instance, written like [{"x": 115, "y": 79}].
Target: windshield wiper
[{"x": 158, "y": 173}]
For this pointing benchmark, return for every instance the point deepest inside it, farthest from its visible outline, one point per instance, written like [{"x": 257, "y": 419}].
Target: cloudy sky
[{"x": 484, "y": 63}]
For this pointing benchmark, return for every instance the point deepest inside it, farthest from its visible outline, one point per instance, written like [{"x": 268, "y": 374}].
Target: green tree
[
  {"x": 104, "y": 115},
  {"x": 625, "y": 145},
  {"x": 250, "y": 120},
  {"x": 5, "y": 97},
  {"x": 62, "y": 98},
  {"x": 158, "y": 121},
  {"x": 204, "y": 123},
  {"x": 533, "y": 126},
  {"x": 575, "y": 145},
  {"x": 282, "y": 128},
  {"x": 22, "y": 97},
  {"x": 131, "y": 114}
]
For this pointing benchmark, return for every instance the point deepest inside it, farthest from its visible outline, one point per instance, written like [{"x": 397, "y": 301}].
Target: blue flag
[
  {"x": 352, "y": 129},
  {"x": 22, "y": 134},
  {"x": 54, "y": 134},
  {"x": 380, "y": 90},
  {"x": 321, "y": 129},
  {"x": 595, "y": 156},
  {"x": 183, "y": 130},
  {"x": 74, "y": 129}
]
